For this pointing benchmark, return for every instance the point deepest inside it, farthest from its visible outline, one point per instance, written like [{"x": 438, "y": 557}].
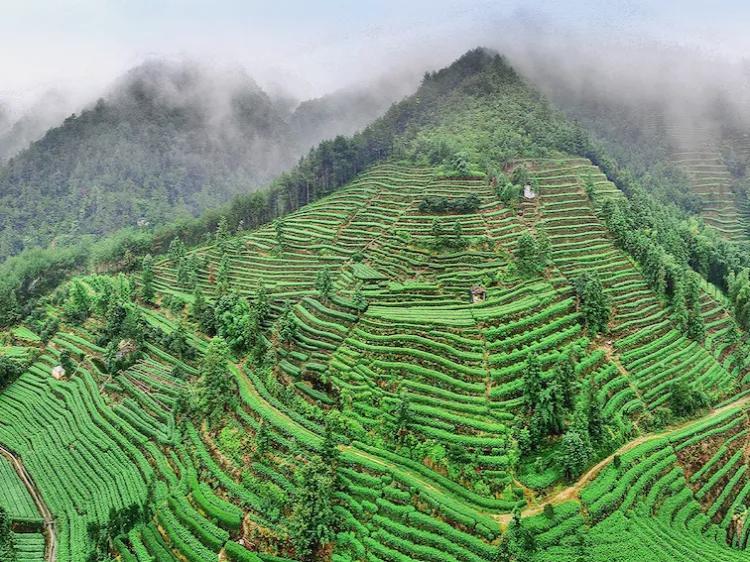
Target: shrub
[{"x": 455, "y": 206}]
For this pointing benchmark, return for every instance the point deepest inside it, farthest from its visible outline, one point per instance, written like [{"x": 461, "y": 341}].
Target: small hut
[
  {"x": 58, "y": 373},
  {"x": 124, "y": 348},
  {"x": 478, "y": 294},
  {"x": 528, "y": 192}
]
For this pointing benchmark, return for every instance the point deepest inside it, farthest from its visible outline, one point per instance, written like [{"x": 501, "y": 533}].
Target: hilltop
[
  {"x": 477, "y": 112},
  {"x": 465, "y": 333}
]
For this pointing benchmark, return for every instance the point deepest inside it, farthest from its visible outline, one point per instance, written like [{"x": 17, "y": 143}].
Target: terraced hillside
[
  {"x": 666, "y": 502},
  {"x": 695, "y": 163},
  {"x": 708, "y": 170},
  {"x": 641, "y": 330},
  {"x": 428, "y": 363},
  {"x": 710, "y": 179},
  {"x": 371, "y": 354}
]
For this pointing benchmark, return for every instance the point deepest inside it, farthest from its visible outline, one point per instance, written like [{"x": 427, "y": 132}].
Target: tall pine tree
[
  {"x": 216, "y": 386},
  {"x": 147, "y": 279}
]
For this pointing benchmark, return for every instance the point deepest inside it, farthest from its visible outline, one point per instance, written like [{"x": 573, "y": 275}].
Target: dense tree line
[
  {"x": 453, "y": 205},
  {"x": 532, "y": 254},
  {"x": 313, "y": 522},
  {"x": 739, "y": 294},
  {"x": 7, "y": 541},
  {"x": 10, "y": 370},
  {"x": 593, "y": 302},
  {"x": 558, "y": 404}
]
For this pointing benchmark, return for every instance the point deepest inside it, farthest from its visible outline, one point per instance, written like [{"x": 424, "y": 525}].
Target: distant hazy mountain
[
  {"x": 346, "y": 111},
  {"x": 168, "y": 139},
  {"x": 18, "y": 132}
]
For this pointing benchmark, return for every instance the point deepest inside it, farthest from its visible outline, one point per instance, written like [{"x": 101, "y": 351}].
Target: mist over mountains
[
  {"x": 20, "y": 126},
  {"x": 172, "y": 138},
  {"x": 168, "y": 139},
  {"x": 369, "y": 296},
  {"x": 687, "y": 94}
]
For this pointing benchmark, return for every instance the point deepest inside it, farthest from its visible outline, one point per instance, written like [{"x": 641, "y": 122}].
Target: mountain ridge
[
  {"x": 416, "y": 334},
  {"x": 167, "y": 139}
]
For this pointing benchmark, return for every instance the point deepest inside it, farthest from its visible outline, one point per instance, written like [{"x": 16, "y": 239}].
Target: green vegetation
[
  {"x": 532, "y": 253},
  {"x": 7, "y": 540},
  {"x": 141, "y": 156},
  {"x": 14, "y": 497},
  {"x": 215, "y": 392},
  {"x": 313, "y": 520},
  {"x": 452, "y": 206},
  {"x": 593, "y": 302},
  {"x": 10, "y": 369},
  {"x": 351, "y": 377},
  {"x": 479, "y": 102}
]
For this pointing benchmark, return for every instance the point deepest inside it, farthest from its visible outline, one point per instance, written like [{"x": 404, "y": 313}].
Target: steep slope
[
  {"x": 412, "y": 361},
  {"x": 159, "y": 145},
  {"x": 716, "y": 168},
  {"x": 478, "y": 112},
  {"x": 18, "y": 131},
  {"x": 419, "y": 336}
]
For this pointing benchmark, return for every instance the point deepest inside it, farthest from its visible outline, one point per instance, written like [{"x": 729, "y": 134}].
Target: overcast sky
[{"x": 313, "y": 47}]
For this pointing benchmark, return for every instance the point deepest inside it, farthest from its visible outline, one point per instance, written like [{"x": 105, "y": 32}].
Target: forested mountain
[
  {"x": 466, "y": 333},
  {"x": 18, "y": 131},
  {"x": 168, "y": 140},
  {"x": 478, "y": 112}
]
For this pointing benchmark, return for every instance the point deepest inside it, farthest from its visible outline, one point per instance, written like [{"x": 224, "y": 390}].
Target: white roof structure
[
  {"x": 528, "y": 193},
  {"x": 58, "y": 372}
]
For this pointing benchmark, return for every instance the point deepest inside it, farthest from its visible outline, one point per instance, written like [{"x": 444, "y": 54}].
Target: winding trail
[
  {"x": 50, "y": 551},
  {"x": 572, "y": 491},
  {"x": 251, "y": 395}
]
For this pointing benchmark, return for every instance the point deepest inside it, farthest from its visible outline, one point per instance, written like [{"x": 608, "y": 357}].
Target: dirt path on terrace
[
  {"x": 572, "y": 491},
  {"x": 557, "y": 497},
  {"x": 614, "y": 358},
  {"x": 50, "y": 550}
]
